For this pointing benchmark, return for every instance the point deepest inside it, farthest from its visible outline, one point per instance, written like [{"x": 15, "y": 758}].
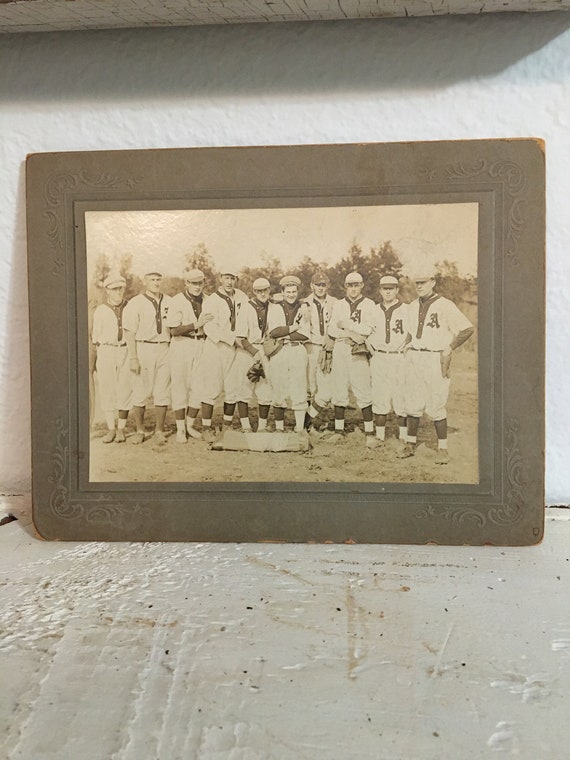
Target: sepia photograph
[
  {"x": 317, "y": 343},
  {"x": 296, "y": 344}
]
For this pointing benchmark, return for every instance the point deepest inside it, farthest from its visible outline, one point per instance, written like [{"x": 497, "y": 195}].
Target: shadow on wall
[
  {"x": 262, "y": 59},
  {"x": 15, "y": 449}
]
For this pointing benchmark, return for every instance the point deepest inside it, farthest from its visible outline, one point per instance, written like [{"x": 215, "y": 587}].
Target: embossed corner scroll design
[
  {"x": 509, "y": 175},
  {"x": 512, "y": 509},
  {"x": 458, "y": 515},
  {"x": 55, "y": 191},
  {"x": 507, "y": 513},
  {"x": 100, "y": 512}
]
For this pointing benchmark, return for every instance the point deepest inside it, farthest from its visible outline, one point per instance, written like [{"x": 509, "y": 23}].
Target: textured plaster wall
[{"x": 420, "y": 79}]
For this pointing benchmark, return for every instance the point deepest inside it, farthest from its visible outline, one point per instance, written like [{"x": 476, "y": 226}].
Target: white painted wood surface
[
  {"x": 236, "y": 652},
  {"x": 51, "y": 15}
]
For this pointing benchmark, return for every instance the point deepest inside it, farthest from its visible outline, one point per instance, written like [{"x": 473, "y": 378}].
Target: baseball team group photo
[{"x": 291, "y": 344}]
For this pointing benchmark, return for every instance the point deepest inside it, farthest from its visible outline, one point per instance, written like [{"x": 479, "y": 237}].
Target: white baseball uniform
[
  {"x": 288, "y": 367},
  {"x": 217, "y": 371},
  {"x": 114, "y": 379},
  {"x": 351, "y": 371},
  {"x": 252, "y": 325},
  {"x": 386, "y": 342},
  {"x": 434, "y": 322},
  {"x": 185, "y": 351},
  {"x": 320, "y": 313},
  {"x": 146, "y": 318}
]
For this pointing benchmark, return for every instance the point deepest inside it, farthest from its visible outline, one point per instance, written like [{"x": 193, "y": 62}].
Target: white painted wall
[{"x": 410, "y": 79}]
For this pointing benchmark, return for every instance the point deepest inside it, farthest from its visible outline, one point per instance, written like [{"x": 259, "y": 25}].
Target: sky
[{"x": 160, "y": 240}]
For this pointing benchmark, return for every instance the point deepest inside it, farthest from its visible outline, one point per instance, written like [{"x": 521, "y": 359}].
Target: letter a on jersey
[{"x": 433, "y": 321}]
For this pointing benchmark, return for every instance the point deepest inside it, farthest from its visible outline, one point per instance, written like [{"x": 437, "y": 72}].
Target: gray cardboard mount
[{"x": 504, "y": 177}]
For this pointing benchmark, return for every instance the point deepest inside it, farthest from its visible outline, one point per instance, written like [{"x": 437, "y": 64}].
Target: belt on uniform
[
  {"x": 383, "y": 351},
  {"x": 154, "y": 342},
  {"x": 294, "y": 342},
  {"x": 115, "y": 345},
  {"x": 428, "y": 350},
  {"x": 194, "y": 337}
]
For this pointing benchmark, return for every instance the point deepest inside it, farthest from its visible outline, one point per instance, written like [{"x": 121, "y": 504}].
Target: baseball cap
[
  {"x": 193, "y": 275},
  {"x": 114, "y": 280},
  {"x": 424, "y": 273},
  {"x": 289, "y": 279},
  {"x": 388, "y": 280},
  {"x": 320, "y": 278},
  {"x": 352, "y": 278},
  {"x": 153, "y": 274},
  {"x": 261, "y": 284},
  {"x": 230, "y": 270}
]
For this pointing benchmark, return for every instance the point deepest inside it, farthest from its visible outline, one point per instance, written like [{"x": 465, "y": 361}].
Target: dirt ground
[{"x": 347, "y": 460}]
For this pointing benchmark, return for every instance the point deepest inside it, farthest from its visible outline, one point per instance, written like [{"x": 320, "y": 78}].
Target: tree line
[{"x": 372, "y": 265}]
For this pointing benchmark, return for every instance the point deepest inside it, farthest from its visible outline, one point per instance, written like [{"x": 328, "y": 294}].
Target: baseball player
[
  {"x": 186, "y": 319},
  {"x": 147, "y": 336},
  {"x": 251, "y": 330},
  {"x": 288, "y": 322},
  {"x": 351, "y": 323},
  {"x": 218, "y": 373},
  {"x": 112, "y": 361},
  {"x": 320, "y": 312},
  {"x": 390, "y": 334},
  {"x": 437, "y": 328}
]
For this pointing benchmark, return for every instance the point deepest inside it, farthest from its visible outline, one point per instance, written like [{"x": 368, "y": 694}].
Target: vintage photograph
[{"x": 316, "y": 344}]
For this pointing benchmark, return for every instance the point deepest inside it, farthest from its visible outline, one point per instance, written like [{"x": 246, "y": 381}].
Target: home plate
[{"x": 235, "y": 440}]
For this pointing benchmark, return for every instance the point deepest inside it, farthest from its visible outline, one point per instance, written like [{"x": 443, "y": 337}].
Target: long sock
[
  {"x": 191, "y": 417},
  {"x": 339, "y": 418},
  {"x": 314, "y": 409},
  {"x": 299, "y": 420},
  {"x": 381, "y": 432}
]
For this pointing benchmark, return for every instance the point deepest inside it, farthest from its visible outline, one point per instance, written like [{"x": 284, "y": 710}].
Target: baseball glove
[
  {"x": 324, "y": 360},
  {"x": 256, "y": 372},
  {"x": 271, "y": 346},
  {"x": 360, "y": 349}
]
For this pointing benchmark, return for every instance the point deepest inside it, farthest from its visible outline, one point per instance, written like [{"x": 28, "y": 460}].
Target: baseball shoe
[
  {"x": 193, "y": 433},
  {"x": 208, "y": 435},
  {"x": 442, "y": 456},
  {"x": 120, "y": 436},
  {"x": 109, "y": 437},
  {"x": 408, "y": 451},
  {"x": 180, "y": 437},
  {"x": 373, "y": 443},
  {"x": 159, "y": 437},
  {"x": 137, "y": 438}
]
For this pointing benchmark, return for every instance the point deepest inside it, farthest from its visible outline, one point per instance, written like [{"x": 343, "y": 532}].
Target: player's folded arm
[
  {"x": 298, "y": 336},
  {"x": 182, "y": 330},
  {"x": 243, "y": 342},
  {"x": 279, "y": 332}
]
